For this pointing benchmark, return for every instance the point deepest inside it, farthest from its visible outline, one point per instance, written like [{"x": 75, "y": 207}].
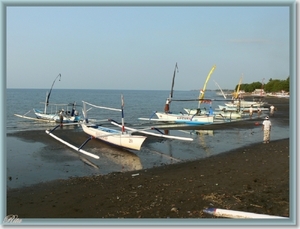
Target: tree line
[{"x": 274, "y": 85}]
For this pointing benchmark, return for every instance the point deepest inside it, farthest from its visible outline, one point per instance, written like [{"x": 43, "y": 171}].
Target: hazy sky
[{"x": 124, "y": 47}]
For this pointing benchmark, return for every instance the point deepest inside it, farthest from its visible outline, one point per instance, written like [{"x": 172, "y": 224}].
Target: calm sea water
[{"x": 27, "y": 162}]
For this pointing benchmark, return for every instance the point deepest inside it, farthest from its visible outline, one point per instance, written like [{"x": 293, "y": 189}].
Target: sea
[{"x": 32, "y": 161}]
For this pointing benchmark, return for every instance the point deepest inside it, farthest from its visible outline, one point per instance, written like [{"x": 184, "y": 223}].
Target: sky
[{"x": 137, "y": 47}]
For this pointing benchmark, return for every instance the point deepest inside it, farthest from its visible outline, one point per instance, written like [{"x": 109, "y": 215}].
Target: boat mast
[
  {"x": 122, "y": 107},
  {"x": 202, "y": 92},
  {"x": 236, "y": 94},
  {"x": 262, "y": 86},
  {"x": 48, "y": 97},
  {"x": 45, "y": 109},
  {"x": 167, "y": 105},
  {"x": 173, "y": 81}
]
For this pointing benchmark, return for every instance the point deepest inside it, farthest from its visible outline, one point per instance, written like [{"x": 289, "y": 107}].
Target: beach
[{"x": 254, "y": 178}]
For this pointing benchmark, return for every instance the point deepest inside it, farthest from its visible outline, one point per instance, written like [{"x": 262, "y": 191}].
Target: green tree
[{"x": 274, "y": 85}]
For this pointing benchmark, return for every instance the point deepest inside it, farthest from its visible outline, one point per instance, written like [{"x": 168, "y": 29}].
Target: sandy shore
[{"x": 254, "y": 178}]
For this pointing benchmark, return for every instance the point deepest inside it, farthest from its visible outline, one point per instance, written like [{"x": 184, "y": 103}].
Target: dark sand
[{"x": 254, "y": 178}]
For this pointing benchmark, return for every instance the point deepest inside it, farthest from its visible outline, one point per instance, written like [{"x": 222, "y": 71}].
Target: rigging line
[
  {"x": 220, "y": 89},
  {"x": 107, "y": 108}
]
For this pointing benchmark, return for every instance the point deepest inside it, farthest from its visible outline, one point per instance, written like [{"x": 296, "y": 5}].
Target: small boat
[
  {"x": 244, "y": 103},
  {"x": 237, "y": 99},
  {"x": 62, "y": 113},
  {"x": 243, "y": 109},
  {"x": 199, "y": 111},
  {"x": 281, "y": 94},
  {"x": 228, "y": 115},
  {"x": 115, "y": 137},
  {"x": 181, "y": 118},
  {"x": 218, "y": 114},
  {"x": 239, "y": 104},
  {"x": 108, "y": 135},
  {"x": 184, "y": 118},
  {"x": 120, "y": 137}
]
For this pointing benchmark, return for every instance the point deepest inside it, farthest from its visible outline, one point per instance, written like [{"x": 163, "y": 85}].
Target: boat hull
[
  {"x": 55, "y": 117},
  {"x": 228, "y": 115},
  {"x": 244, "y": 103},
  {"x": 115, "y": 137},
  {"x": 185, "y": 118},
  {"x": 244, "y": 109}
]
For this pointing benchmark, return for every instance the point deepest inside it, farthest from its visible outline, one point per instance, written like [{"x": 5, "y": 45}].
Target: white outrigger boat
[
  {"x": 60, "y": 115},
  {"x": 184, "y": 118},
  {"x": 243, "y": 109},
  {"x": 199, "y": 111},
  {"x": 238, "y": 102},
  {"x": 244, "y": 103},
  {"x": 228, "y": 115},
  {"x": 218, "y": 113},
  {"x": 179, "y": 118},
  {"x": 57, "y": 113},
  {"x": 122, "y": 138},
  {"x": 112, "y": 136}
]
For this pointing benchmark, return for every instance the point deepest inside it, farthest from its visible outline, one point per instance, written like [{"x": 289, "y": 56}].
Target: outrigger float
[
  {"x": 225, "y": 213},
  {"x": 123, "y": 138}
]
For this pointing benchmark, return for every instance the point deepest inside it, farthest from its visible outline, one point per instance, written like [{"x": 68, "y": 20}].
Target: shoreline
[{"x": 253, "y": 178}]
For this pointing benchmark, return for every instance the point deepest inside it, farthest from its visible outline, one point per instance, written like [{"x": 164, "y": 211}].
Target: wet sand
[{"x": 254, "y": 178}]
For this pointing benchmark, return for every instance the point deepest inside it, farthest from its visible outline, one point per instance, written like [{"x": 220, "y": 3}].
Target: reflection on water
[
  {"x": 201, "y": 135},
  {"x": 204, "y": 132},
  {"x": 126, "y": 159},
  {"x": 202, "y": 139},
  {"x": 88, "y": 162}
]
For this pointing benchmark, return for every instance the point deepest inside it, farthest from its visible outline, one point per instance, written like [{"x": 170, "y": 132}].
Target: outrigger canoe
[
  {"x": 243, "y": 109},
  {"x": 67, "y": 116},
  {"x": 114, "y": 137},
  {"x": 184, "y": 118},
  {"x": 181, "y": 118},
  {"x": 122, "y": 138},
  {"x": 64, "y": 113}
]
